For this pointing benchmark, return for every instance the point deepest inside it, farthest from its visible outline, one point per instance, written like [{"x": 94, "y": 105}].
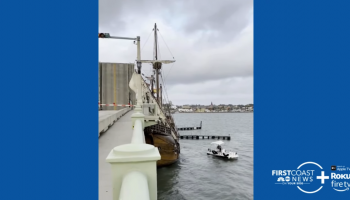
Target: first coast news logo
[{"x": 310, "y": 177}]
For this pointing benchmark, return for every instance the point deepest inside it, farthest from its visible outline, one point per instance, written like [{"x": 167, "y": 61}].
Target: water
[{"x": 200, "y": 176}]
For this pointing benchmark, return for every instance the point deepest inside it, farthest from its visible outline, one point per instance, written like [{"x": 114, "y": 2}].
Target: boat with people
[{"x": 220, "y": 152}]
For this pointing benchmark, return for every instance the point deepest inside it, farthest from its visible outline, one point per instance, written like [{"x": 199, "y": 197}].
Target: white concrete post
[
  {"x": 129, "y": 158},
  {"x": 138, "y": 115},
  {"x": 138, "y": 181},
  {"x": 138, "y": 135}
]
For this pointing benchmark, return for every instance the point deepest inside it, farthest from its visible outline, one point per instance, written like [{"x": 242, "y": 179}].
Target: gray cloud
[
  {"x": 221, "y": 20},
  {"x": 212, "y": 42}
]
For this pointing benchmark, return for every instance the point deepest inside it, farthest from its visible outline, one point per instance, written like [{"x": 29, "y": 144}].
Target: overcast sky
[{"x": 211, "y": 41}]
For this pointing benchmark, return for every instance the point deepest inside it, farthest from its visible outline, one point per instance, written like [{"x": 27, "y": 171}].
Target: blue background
[
  {"x": 49, "y": 87},
  {"x": 301, "y": 92},
  {"x": 49, "y": 95}
]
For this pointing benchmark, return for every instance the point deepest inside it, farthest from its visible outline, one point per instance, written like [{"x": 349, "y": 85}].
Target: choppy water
[{"x": 200, "y": 176}]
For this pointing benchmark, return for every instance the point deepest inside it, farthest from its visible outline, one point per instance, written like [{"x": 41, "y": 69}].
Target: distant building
[
  {"x": 201, "y": 109},
  {"x": 185, "y": 110}
]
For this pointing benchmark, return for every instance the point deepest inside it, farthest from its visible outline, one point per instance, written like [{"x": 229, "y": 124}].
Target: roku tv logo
[{"x": 340, "y": 182}]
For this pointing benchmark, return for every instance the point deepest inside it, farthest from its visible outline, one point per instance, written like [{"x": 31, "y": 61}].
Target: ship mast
[{"x": 157, "y": 65}]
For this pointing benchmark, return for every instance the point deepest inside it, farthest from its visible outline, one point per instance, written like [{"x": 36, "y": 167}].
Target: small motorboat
[{"x": 220, "y": 152}]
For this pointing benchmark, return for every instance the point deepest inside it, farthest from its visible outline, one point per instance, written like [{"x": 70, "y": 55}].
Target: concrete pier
[{"x": 118, "y": 134}]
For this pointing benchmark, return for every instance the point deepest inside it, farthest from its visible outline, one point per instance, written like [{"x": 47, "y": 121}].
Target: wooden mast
[
  {"x": 161, "y": 97},
  {"x": 156, "y": 65},
  {"x": 152, "y": 87}
]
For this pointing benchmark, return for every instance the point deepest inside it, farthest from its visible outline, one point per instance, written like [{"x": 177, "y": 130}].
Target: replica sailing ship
[{"x": 160, "y": 130}]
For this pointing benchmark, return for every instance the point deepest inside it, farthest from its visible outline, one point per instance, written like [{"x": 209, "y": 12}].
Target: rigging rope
[
  {"x": 146, "y": 40},
  {"x": 166, "y": 93},
  {"x": 170, "y": 53},
  {"x": 166, "y": 44},
  {"x": 169, "y": 71},
  {"x": 160, "y": 57}
]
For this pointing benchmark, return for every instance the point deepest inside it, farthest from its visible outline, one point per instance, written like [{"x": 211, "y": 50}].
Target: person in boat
[{"x": 219, "y": 147}]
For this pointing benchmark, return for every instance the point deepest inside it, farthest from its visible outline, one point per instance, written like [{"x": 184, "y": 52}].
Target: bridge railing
[{"x": 134, "y": 165}]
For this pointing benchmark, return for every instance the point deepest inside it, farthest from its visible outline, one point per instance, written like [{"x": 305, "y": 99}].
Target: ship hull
[{"x": 168, "y": 146}]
